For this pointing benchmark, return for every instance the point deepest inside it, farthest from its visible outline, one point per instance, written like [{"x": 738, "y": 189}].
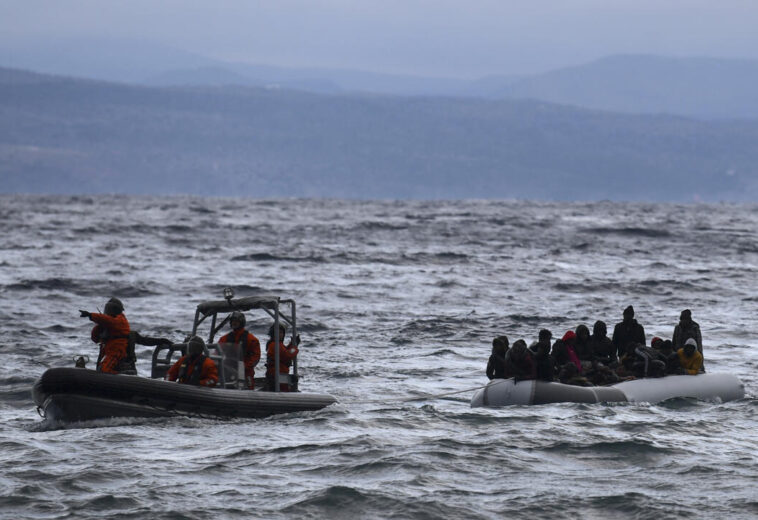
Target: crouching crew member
[
  {"x": 195, "y": 368},
  {"x": 287, "y": 354},
  {"x": 112, "y": 332},
  {"x": 250, "y": 345}
]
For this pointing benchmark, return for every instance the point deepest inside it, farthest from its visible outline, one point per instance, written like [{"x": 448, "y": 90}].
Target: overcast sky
[{"x": 463, "y": 39}]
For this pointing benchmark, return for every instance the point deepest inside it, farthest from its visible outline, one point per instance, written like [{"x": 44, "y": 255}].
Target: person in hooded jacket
[
  {"x": 673, "y": 366},
  {"x": 112, "y": 334},
  {"x": 544, "y": 363},
  {"x": 686, "y": 329},
  {"x": 250, "y": 345},
  {"x": 287, "y": 354},
  {"x": 603, "y": 350},
  {"x": 690, "y": 359},
  {"x": 519, "y": 363},
  {"x": 195, "y": 368},
  {"x": 496, "y": 362},
  {"x": 627, "y": 332},
  {"x": 543, "y": 338},
  {"x": 582, "y": 346},
  {"x": 563, "y": 351}
]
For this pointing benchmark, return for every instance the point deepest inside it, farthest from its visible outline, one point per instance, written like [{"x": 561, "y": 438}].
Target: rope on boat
[{"x": 424, "y": 397}]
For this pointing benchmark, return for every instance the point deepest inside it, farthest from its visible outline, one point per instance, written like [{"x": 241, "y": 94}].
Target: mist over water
[{"x": 396, "y": 301}]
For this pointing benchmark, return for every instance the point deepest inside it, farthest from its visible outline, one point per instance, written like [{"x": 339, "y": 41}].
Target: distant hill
[
  {"x": 698, "y": 87},
  {"x": 706, "y": 88},
  {"x": 63, "y": 135}
]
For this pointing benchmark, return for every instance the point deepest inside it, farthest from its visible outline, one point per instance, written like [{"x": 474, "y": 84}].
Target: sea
[{"x": 398, "y": 303}]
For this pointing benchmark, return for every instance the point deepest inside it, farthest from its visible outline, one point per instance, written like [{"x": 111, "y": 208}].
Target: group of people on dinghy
[
  {"x": 112, "y": 332},
  {"x": 584, "y": 359}
]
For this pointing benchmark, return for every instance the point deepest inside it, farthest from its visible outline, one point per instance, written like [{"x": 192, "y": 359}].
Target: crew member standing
[
  {"x": 112, "y": 332},
  {"x": 287, "y": 354},
  {"x": 250, "y": 345}
]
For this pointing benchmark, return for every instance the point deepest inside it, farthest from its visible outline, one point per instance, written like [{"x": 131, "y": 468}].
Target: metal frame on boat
[{"x": 79, "y": 394}]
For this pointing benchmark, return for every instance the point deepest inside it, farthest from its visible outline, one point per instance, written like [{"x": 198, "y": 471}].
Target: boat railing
[{"x": 162, "y": 361}]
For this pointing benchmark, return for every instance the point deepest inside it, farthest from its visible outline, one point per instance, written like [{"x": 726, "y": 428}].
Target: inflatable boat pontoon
[{"x": 504, "y": 392}]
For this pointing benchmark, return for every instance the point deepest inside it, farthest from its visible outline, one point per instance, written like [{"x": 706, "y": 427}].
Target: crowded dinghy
[
  {"x": 708, "y": 387},
  {"x": 221, "y": 384}
]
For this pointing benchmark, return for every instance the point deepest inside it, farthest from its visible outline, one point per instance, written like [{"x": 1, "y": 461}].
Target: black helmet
[
  {"x": 195, "y": 346},
  {"x": 238, "y": 316},
  {"x": 282, "y": 330},
  {"x": 114, "y": 307}
]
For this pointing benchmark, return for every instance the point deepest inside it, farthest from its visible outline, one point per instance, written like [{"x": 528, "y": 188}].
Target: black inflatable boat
[{"x": 80, "y": 394}]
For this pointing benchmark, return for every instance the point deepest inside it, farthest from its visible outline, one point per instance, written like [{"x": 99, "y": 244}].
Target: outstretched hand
[{"x": 83, "y": 314}]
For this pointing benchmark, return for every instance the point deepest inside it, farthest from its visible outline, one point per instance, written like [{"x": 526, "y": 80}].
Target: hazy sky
[{"x": 443, "y": 37}]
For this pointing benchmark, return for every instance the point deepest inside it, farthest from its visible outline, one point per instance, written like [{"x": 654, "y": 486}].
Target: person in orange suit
[
  {"x": 287, "y": 354},
  {"x": 112, "y": 332},
  {"x": 195, "y": 368},
  {"x": 250, "y": 345}
]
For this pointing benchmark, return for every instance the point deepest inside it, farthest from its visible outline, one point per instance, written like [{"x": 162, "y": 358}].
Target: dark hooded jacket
[
  {"x": 603, "y": 349},
  {"x": 626, "y": 332}
]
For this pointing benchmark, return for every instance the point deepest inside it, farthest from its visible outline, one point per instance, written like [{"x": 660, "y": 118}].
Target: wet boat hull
[
  {"x": 504, "y": 392},
  {"x": 73, "y": 394}
]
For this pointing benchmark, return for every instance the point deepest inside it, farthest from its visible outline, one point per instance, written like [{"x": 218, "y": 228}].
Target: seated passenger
[
  {"x": 690, "y": 359},
  {"x": 195, "y": 368},
  {"x": 563, "y": 351},
  {"x": 287, "y": 354},
  {"x": 582, "y": 346},
  {"x": 673, "y": 366},
  {"x": 544, "y": 337},
  {"x": 603, "y": 350},
  {"x": 649, "y": 362},
  {"x": 543, "y": 361},
  {"x": 519, "y": 363},
  {"x": 569, "y": 375},
  {"x": 496, "y": 362}
]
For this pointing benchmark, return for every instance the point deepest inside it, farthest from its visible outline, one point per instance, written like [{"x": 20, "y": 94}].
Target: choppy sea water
[{"x": 396, "y": 301}]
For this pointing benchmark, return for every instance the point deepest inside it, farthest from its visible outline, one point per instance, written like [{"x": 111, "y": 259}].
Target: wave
[{"x": 629, "y": 232}]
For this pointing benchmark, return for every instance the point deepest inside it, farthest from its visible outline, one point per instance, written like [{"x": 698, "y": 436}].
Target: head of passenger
[
  {"x": 237, "y": 320},
  {"x": 282, "y": 331},
  {"x": 114, "y": 307},
  {"x": 689, "y": 347},
  {"x": 569, "y": 338},
  {"x": 656, "y": 343},
  {"x": 545, "y": 336},
  {"x": 629, "y": 313},
  {"x": 500, "y": 345},
  {"x": 667, "y": 347},
  {"x": 582, "y": 334},
  {"x": 599, "y": 330},
  {"x": 543, "y": 348},
  {"x": 195, "y": 346},
  {"x": 518, "y": 350},
  {"x": 685, "y": 318}
]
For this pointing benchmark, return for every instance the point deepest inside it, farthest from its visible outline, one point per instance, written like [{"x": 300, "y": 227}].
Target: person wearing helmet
[
  {"x": 287, "y": 354},
  {"x": 112, "y": 333},
  {"x": 690, "y": 359},
  {"x": 195, "y": 368},
  {"x": 250, "y": 345}
]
